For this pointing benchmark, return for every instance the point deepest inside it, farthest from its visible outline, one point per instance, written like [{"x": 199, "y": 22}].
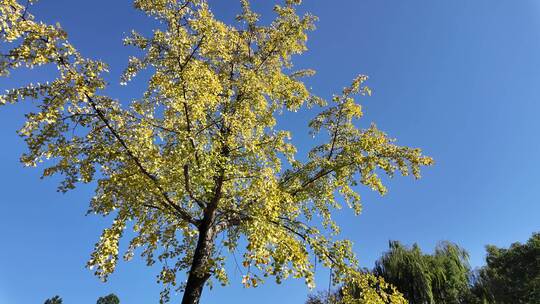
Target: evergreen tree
[
  {"x": 109, "y": 299},
  {"x": 54, "y": 300},
  {"x": 511, "y": 276}
]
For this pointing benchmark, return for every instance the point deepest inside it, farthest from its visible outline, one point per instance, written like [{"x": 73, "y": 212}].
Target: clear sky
[{"x": 459, "y": 78}]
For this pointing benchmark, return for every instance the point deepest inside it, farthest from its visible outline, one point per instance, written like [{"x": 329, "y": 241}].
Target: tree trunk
[
  {"x": 200, "y": 267},
  {"x": 200, "y": 272}
]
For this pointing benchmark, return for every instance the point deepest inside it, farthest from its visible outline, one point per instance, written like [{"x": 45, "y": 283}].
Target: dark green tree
[
  {"x": 324, "y": 298},
  {"x": 54, "y": 300},
  {"x": 511, "y": 275},
  {"x": 109, "y": 299}
]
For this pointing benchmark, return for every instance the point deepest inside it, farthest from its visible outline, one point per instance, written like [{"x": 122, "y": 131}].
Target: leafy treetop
[
  {"x": 54, "y": 300},
  {"x": 512, "y": 275},
  {"x": 197, "y": 163}
]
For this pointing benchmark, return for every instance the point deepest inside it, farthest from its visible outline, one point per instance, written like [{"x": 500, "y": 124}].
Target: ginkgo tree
[{"x": 198, "y": 166}]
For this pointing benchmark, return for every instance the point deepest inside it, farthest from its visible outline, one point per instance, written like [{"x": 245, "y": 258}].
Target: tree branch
[
  {"x": 188, "y": 188},
  {"x": 183, "y": 213}
]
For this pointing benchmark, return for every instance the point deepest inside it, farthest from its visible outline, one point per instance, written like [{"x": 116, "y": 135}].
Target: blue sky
[{"x": 460, "y": 78}]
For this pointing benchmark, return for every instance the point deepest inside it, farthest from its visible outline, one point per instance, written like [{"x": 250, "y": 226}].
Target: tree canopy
[
  {"x": 438, "y": 278},
  {"x": 511, "y": 275},
  {"x": 198, "y": 162},
  {"x": 441, "y": 277},
  {"x": 109, "y": 299},
  {"x": 54, "y": 300}
]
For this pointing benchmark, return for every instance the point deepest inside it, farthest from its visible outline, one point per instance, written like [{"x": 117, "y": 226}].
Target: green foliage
[
  {"x": 198, "y": 162},
  {"x": 442, "y": 277},
  {"x": 54, "y": 300},
  {"x": 450, "y": 273},
  {"x": 109, "y": 299},
  {"x": 511, "y": 276}
]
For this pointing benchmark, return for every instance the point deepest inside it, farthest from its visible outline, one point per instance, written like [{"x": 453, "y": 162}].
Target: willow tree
[
  {"x": 441, "y": 277},
  {"x": 197, "y": 164}
]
